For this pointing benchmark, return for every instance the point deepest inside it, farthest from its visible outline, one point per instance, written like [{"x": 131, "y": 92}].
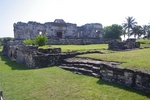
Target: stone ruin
[
  {"x": 129, "y": 44},
  {"x": 33, "y": 57},
  {"x": 57, "y": 31}
]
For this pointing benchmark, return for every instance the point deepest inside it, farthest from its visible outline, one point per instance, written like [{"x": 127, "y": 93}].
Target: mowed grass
[
  {"x": 52, "y": 83},
  {"x": 135, "y": 59},
  {"x": 145, "y": 43},
  {"x": 66, "y": 48}
]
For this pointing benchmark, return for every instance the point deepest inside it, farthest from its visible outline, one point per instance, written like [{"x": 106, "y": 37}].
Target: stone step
[
  {"x": 68, "y": 68},
  {"x": 96, "y": 69},
  {"x": 96, "y": 75},
  {"x": 85, "y": 66},
  {"x": 82, "y": 61},
  {"x": 77, "y": 70},
  {"x": 96, "y": 63}
]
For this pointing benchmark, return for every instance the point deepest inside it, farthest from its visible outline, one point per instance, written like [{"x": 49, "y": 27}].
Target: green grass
[
  {"x": 136, "y": 59},
  {"x": 66, "y": 48},
  {"x": 21, "y": 83},
  {"x": 144, "y": 43}
]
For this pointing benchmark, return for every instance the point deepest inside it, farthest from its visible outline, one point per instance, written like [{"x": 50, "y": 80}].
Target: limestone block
[
  {"x": 138, "y": 81},
  {"x": 128, "y": 78}
]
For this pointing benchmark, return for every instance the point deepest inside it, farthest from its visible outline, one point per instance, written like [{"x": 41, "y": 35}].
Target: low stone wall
[
  {"x": 31, "y": 56},
  {"x": 109, "y": 71},
  {"x": 79, "y": 41},
  {"x": 133, "y": 78},
  {"x": 129, "y": 44}
]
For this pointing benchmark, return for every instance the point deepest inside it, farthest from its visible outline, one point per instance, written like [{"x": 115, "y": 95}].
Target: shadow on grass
[
  {"x": 13, "y": 64},
  {"x": 116, "y": 85}
]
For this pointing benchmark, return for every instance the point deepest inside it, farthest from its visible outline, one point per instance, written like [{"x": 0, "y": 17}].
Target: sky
[{"x": 106, "y": 12}]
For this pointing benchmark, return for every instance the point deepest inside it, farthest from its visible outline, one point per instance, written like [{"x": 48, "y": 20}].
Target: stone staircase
[{"x": 83, "y": 66}]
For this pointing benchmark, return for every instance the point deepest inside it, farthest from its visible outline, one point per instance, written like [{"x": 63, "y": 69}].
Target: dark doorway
[{"x": 59, "y": 34}]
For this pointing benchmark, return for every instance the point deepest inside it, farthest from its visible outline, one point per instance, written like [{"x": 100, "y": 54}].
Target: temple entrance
[{"x": 59, "y": 34}]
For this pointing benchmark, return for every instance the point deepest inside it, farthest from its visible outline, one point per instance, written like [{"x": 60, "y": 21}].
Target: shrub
[
  {"x": 28, "y": 42},
  {"x": 39, "y": 40}
]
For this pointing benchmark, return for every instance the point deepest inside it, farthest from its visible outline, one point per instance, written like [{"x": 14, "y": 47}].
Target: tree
[
  {"x": 124, "y": 33},
  {"x": 129, "y": 24},
  {"x": 145, "y": 30},
  {"x": 114, "y": 31},
  {"x": 137, "y": 31}
]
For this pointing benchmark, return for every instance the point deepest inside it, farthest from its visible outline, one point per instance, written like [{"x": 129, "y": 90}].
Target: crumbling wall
[
  {"x": 93, "y": 30},
  {"x": 78, "y": 41},
  {"x": 109, "y": 71},
  {"x": 129, "y": 77},
  {"x": 57, "y": 29},
  {"x": 31, "y": 56},
  {"x": 129, "y": 44}
]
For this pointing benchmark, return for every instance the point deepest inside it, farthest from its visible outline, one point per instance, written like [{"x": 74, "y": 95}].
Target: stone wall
[
  {"x": 109, "y": 71},
  {"x": 79, "y": 41},
  {"x": 31, "y": 56},
  {"x": 129, "y": 44},
  {"x": 57, "y": 29},
  {"x": 129, "y": 77}
]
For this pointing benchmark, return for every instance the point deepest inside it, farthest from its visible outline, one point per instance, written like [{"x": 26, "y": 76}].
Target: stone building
[{"x": 58, "y": 29}]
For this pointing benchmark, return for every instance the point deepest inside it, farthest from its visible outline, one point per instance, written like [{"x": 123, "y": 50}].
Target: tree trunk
[{"x": 128, "y": 33}]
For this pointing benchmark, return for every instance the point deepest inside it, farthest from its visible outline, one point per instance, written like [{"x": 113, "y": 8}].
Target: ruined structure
[
  {"x": 33, "y": 57},
  {"x": 58, "y": 29},
  {"x": 128, "y": 44}
]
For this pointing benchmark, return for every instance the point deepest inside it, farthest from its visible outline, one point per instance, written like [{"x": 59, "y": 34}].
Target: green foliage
[
  {"x": 113, "y": 32},
  {"x": 129, "y": 24},
  {"x": 3, "y": 40},
  {"x": 39, "y": 40},
  {"x": 29, "y": 42},
  {"x": 137, "y": 31}
]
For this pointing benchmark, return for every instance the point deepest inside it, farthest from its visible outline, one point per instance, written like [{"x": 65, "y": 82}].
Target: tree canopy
[
  {"x": 129, "y": 25},
  {"x": 112, "y": 32}
]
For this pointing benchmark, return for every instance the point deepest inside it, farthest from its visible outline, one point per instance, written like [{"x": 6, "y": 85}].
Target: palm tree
[
  {"x": 124, "y": 33},
  {"x": 137, "y": 31},
  {"x": 145, "y": 30},
  {"x": 129, "y": 24}
]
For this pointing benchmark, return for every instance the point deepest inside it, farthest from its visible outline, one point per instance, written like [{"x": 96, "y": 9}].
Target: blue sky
[{"x": 106, "y": 12}]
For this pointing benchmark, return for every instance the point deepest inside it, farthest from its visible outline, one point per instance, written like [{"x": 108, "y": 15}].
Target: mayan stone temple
[{"x": 59, "y": 30}]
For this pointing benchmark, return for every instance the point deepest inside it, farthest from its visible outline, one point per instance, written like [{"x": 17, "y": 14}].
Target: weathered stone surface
[
  {"x": 58, "y": 29},
  {"x": 31, "y": 56},
  {"x": 76, "y": 41},
  {"x": 129, "y": 44},
  {"x": 110, "y": 72}
]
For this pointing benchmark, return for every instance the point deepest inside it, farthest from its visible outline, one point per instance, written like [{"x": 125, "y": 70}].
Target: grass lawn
[
  {"x": 144, "y": 42},
  {"x": 66, "y": 48},
  {"x": 136, "y": 59},
  {"x": 21, "y": 83}
]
